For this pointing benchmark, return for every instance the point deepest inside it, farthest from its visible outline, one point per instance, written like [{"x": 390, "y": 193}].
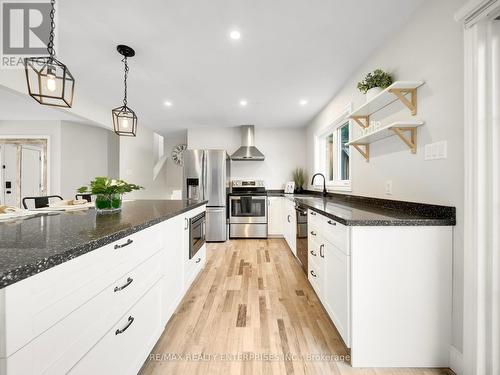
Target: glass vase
[{"x": 108, "y": 203}]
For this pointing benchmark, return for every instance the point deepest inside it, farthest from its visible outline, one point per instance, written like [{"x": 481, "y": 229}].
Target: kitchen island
[{"x": 84, "y": 293}]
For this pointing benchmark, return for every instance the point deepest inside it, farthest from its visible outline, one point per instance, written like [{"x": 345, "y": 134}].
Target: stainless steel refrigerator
[{"x": 207, "y": 177}]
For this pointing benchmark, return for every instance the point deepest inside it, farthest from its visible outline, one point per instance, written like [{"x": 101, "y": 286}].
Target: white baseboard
[{"x": 456, "y": 361}]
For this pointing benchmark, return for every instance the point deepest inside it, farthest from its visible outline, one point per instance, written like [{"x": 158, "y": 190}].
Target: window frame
[{"x": 320, "y": 159}]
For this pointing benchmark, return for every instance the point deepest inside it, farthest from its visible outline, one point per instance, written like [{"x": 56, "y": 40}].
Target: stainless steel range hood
[{"x": 247, "y": 151}]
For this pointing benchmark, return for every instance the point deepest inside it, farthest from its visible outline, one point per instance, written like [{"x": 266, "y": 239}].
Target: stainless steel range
[{"x": 248, "y": 209}]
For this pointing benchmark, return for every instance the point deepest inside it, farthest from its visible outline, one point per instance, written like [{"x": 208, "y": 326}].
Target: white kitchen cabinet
[
  {"x": 275, "y": 216},
  {"x": 127, "y": 344},
  {"x": 173, "y": 266},
  {"x": 336, "y": 289},
  {"x": 290, "y": 223},
  {"x": 133, "y": 284},
  {"x": 383, "y": 286}
]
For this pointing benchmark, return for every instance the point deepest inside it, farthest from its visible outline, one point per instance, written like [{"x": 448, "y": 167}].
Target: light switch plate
[
  {"x": 436, "y": 150},
  {"x": 388, "y": 187}
]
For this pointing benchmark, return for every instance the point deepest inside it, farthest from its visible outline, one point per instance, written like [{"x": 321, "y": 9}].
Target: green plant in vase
[
  {"x": 374, "y": 83},
  {"x": 108, "y": 192},
  {"x": 299, "y": 177}
]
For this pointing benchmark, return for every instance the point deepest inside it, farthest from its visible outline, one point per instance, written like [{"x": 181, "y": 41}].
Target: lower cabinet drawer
[
  {"x": 60, "y": 347},
  {"x": 193, "y": 266},
  {"x": 126, "y": 346},
  {"x": 315, "y": 278},
  {"x": 37, "y": 303},
  {"x": 336, "y": 233}
]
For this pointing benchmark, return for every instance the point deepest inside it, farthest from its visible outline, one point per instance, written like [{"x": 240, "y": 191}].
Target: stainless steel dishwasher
[{"x": 301, "y": 215}]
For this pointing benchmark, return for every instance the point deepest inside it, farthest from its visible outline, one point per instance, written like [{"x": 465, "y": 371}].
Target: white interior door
[
  {"x": 31, "y": 171},
  {"x": 9, "y": 178}
]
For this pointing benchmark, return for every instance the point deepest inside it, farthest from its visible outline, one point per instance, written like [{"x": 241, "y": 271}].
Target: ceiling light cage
[
  {"x": 124, "y": 118},
  {"x": 49, "y": 81},
  {"x": 124, "y": 121}
]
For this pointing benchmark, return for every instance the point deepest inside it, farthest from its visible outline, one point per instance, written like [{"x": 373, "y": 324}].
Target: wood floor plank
[{"x": 253, "y": 311}]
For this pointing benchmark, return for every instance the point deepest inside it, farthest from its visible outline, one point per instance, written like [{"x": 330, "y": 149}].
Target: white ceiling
[{"x": 289, "y": 50}]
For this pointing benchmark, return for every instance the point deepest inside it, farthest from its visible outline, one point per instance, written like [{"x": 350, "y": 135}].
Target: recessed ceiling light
[
  {"x": 303, "y": 102},
  {"x": 168, "y": 103},
  {"x": 243, "y": 102},
  {"x": 235, "y": 34}
]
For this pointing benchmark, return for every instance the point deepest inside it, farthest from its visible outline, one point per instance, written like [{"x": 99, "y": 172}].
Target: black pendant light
[
  {"x": 124, "y": 119},
  {"x": 49, "y": 80}
]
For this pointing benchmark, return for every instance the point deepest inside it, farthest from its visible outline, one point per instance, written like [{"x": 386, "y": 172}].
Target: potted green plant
[
  {"x": 108, "y": 193},
  {"x": 374, "y": 83},
  {"x": 299, "y": 177}
]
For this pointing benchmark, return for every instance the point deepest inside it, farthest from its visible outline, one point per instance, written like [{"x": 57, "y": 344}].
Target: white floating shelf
[
  {"x": 397, "y": 128},
  {"x": 399, "y": 90},
  {"x": 385, "y": 132}
]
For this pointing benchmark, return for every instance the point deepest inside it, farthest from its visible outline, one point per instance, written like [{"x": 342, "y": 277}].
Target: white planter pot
[{"x": 373, "y": 92}]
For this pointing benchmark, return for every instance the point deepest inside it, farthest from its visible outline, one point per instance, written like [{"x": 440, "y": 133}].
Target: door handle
[
  {"x": 129, "y": 323},
  {"x": 129, "y": 281},
  {"x": 321, "y": 251},
  {"x": 331, "y": 222},
  {"x": 186, "y": 224},
  {"x": 129, "y": 241},
  {"x": 198, "y": 260},
  {"x": 313, "y": 253},
  {"x": 312, "y": 273},
  {"x": 313, "y": 233},
  {"x": 288, "y": 218},
  {"x": 313, "y": 213}
]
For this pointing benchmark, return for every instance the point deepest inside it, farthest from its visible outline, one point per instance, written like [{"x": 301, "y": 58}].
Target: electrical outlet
[
  {"x": 437, "y": 150},
  {"x": 388, "y": 187}
]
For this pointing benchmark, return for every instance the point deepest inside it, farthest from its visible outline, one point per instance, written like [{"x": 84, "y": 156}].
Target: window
[{"x": 333, "y": 153}]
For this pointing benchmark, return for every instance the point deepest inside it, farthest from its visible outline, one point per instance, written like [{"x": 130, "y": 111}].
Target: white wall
[
  {"x": 428, "y": 47},
  {"x": 137, "y": 159},
  {"x": 50, "y": 129},
  {"x": 173, "y": 171},
  {"x": 77, "y": 152},
  {"x": 86, "y": 152},
  {"x": 284, "y": 150}
]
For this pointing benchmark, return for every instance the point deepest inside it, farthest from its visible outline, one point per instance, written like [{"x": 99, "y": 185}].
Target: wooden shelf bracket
[
  {"x": 362, "y": 121},
  {"x": 365, "y": 152},
  {"x": 410, "y": 142},
  {"x": 412, "y": 103}
]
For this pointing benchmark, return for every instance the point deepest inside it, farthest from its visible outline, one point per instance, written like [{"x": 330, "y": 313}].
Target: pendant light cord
[
  {"x": 124, "y": 60},
  {"x": 50, "y": 45}
]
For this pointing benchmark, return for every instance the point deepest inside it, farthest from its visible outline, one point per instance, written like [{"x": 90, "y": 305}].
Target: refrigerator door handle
[{"x": 204, "y": 174}]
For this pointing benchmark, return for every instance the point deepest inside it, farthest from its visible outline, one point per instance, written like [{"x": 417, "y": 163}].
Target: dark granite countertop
[
  {"x": 32, "y": 245},
  {"x": 364, "y": 211}
]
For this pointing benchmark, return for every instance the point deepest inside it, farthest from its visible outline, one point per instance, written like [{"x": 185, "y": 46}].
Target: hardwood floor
[{"x": 252, "y": 311}]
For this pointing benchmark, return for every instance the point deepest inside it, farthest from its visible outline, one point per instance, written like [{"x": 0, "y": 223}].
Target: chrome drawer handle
[
  {"x": 313, "y": 233},
  {"x": 321, "y": 252},
  {"x": 198, "y": 260},
  {"x": 332, "y": 222},
  {"x": 288, "y": 218},
  {"x": 129, "y": 323},
  {"x": 186, "y": 224},
  {"x": 313, "y": 253},
  {"x": 129, "y": 281},
  {"x": 129, "y": 241},
  {"x": 313, "y": 213},
  {"x": 312, "y": 273}
]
